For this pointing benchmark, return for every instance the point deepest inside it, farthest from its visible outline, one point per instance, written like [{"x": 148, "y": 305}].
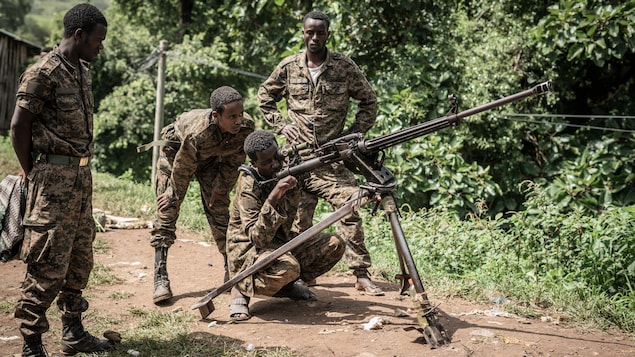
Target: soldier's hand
[
  {"x": 291, "y": 132},
  {"x": 25, "y": 177},
  {"x": 287, "y": 183},
  {"x": 281, "y": 188},
  {"x": 163, "y": 202},
  {"x": 218, "y": 197}
]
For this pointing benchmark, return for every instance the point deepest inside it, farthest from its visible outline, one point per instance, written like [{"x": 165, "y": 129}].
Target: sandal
[
  {"x": 296, "y": 292},
  {"x": 365, "y": 285},
  {"x": 239, "y": 309}
]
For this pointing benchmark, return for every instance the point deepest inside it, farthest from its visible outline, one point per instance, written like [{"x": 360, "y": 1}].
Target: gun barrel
[{"x": 401, "y": 136}]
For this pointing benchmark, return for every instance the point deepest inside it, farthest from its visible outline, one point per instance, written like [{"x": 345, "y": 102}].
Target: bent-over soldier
[{"x": 207, "y": 144}]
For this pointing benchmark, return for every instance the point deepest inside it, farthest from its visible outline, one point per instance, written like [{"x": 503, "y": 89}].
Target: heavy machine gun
[
  {"x": 363, "y": 156},
  {"x": 366, "y": 158}
]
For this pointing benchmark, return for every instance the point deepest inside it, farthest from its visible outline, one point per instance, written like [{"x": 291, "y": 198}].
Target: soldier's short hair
[
  {"x": 222, "y": 96},
  {"x": 82, "y": 16},
  {"x": 259, "y": 140},
  {"x": 317, "y": 15}
]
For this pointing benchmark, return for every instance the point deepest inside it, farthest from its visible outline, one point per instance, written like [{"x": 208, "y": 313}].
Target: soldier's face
[
  {"x": 90, "y": 43},
  {"x": 315, "y": 35},
  {"x": 232, "y": 118},
  {"x": 267, "y": 162}
]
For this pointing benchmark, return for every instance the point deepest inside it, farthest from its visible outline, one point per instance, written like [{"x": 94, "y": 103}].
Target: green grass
[
  {"x": 103, "y": 275},
  {"x": 8, "y": 161},
  {"x": 157, "y": 333},
  {"x": 480, "y": 261},
  {"x": 7, "y": 306}
]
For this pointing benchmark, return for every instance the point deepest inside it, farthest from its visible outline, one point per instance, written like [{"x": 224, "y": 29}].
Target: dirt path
[{"x": 331, "y": 326}]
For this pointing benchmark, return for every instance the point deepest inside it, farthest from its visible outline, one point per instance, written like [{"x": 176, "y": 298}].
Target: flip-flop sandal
[
  {"x": 239, "y": 309},
  {"x": 369, "y": 289}
]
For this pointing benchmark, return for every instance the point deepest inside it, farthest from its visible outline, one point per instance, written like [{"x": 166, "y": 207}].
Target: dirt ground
[{"x": 331, "y": 326}]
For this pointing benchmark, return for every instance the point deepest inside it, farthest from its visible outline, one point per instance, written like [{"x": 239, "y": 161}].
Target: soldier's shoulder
[
  {"x": 290, "y": 60},
  {"x": 194, "y": 115},
  {"x": 246, "y": 183},
  {"x": 194, "y": 121},
  {"x": 46, "y": 66},
  {"x": 248, "y": 122},
  {"x": 342, "y": 58}
]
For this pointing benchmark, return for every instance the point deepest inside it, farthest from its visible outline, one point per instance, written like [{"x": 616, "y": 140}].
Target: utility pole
[{"x": 158, "y": 114}]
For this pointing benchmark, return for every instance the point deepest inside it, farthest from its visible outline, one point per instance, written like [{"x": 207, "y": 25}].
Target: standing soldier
[
  {"x": 317, "y": 85},
  {"x": 208, "y": 144},
  {"x": 52, "y": 135}
]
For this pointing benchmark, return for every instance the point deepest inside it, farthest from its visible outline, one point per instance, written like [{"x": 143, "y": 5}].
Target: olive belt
[{"x": 64, "y": 159}]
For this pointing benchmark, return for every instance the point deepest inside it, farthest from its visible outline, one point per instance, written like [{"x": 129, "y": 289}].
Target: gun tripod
[{"x": 429, "y": 325}]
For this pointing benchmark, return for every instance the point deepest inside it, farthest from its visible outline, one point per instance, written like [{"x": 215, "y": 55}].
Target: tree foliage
[
  {"x": 12, "y": 13},
  {"x": 480, "y": 51}
]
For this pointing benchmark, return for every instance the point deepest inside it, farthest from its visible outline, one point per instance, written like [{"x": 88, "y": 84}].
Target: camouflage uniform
[
  {"x": 208, "y": 154},
  {"x": 319, "y": 111},
  {"x": 59, "y": 228},
  {"x": 256, "y": 229}
]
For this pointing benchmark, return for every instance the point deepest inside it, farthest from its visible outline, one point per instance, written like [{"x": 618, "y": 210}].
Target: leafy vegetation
[{"x": 534, "y": 201}]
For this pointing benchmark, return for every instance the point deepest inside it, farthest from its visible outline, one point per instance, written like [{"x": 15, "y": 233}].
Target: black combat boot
[
  {"x": 162, "y": 291},
  {"x": 33, "y": 347},
  {"x": 75, "y": 339}
]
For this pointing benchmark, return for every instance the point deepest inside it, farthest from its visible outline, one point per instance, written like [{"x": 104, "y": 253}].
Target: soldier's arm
[
  {"x": 362, "y": 91},
  {"x": 269, "y": 94},
  {"x": 21, "y": 137},
  {"x": 259, "y": 219},
  {"x": 228, "y": 173},
  {"x": 34, "y": 90}
]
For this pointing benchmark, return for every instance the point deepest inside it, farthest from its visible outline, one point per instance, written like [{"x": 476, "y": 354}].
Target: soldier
[
  {"x": 317, "y": 85},
  {"x": 261, "y": 221},
  {"x": 52, "y": 135},
  {"x": 208, "y": 144}
]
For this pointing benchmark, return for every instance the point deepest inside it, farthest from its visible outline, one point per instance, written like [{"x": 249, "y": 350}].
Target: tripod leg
[{"x": 433, "y": 331}]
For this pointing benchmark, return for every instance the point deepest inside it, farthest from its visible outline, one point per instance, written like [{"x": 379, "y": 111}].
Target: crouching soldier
[{"x": 260, "y": 222}]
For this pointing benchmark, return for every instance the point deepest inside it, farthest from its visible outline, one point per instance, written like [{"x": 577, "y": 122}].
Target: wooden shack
[{"x": 15, "y": 54}]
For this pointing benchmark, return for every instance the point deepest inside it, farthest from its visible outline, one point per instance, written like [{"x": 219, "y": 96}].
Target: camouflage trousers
[
  {"x": 164, "y": 231},
  {"x": 335, "y": 184},
  {"x": 308, "y": 261},
  {"x": 59, "y": 231}
]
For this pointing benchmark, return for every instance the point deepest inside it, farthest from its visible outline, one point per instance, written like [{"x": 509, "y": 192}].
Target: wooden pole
[{"x": 158, "y": 115}]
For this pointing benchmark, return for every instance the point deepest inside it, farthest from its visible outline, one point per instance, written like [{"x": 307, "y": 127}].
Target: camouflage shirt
[
  {"x": 255, "y": 225},
  {"x": 60, "y": 94},
  {"x": 318, "y": 110},
  {"x": 202, "y": 143}
]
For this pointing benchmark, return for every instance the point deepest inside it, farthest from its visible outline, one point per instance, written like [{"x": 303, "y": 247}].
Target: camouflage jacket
[
  {"x": 203, "y": 144},
  {"x": 255, "y": 225},
  {"x": 318, "y": 110},
  {"x": 60, "y": 94}
]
